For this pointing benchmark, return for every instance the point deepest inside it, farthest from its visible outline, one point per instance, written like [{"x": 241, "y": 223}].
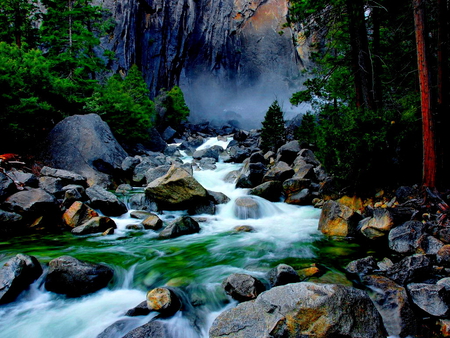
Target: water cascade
[{"x": 194, "y": 264}]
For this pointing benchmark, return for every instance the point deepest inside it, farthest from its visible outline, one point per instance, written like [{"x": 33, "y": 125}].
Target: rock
[
  {"x": 155, "y": 142},
  {"x": 207, "y": 163},
  {"x": 129, "y": 163},
  {"x": 147, "y": 163},
  {"x": 118, "y": 328},
  {"x": 280, "y": 172},
  {"x": 410, "y": 269},
  {"x": 134, "y": 227},
  {"x": 305, "y": 171},
  {"x": 172, "y": 151},
  {"x": 392, "y": 302},
  {"x": 240, "y": 136},
  {"x": 95, "y": 225},
  {"x": 85, "y": 145},
  {"x": 105, "y": 201},
  {"x": 243, "y": 287},
  {"x": 16, "y": 276},
  {"x": 244, "y": 228},
  {"x": 181, "y": 226},
  {"x": 139, "y": 214},
  {"x": 405, "y": 193},
  {"x": 168, "y": 134},
  {"x": 153, "y": 329},
  {"x": 288, "y": 152},
  {"x": 51, "y": 185},
  {"x": 177, "y": 190},
  {"x": 140, "y": 310},
  {"x": 191, "y": 144},
  {"x": 7, "y": 186},
  {"x": 313, "y": 271},
  {"x": 338, "y": 220},
  {"x": 152, "y": 222},
  {"x": 77, "y": 214},
  {"x": 405, "y": 238},
  {"x": 246, "y": 207},
  {"x": 74, "y": 278},
  {"x": 283, "y": 274},
  {"x": 23, "y": 178},
  {"x": 124, "y": 189},
  {"x": 212, "y": 152},
  {"x": 164, "y": 301},
  {"x": 67, "y": 177},
  {"x": 142, "y": 203},
  {"x": 431, "y": 298},
  {"x": 431, "y": 245},
  {"x": 444, "y": 325},
  {"x": 378, "y": 225},
  {"x": 251, "y": 175},
  {"x": 443, "y": 255},
  {"x": 362, "y": 267},
  {"x": 10, "y": 223},
  {"x": 218, "y": 197},
  {"x": 308, "y": 156},
  {"x": 203, "y": 207},
  {"x": 302, "y": 310},
  {"x": 270, "y": 191},
  {"x": 73, "y": 193},
  {"x": 154, "y": 173},
  {"x": 237, "y": 154}
]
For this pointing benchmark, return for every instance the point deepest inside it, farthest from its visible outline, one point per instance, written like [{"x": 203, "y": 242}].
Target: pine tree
[{"x": 273, "y": 130}]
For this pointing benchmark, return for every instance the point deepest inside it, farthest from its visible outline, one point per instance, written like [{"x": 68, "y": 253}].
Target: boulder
[
  {"x": 141, "y": 202},
  {"x": 431, "y": 245},
  {"x": 434, "y": 299},
  {"x": 257, "y": 157},
  {"x": 152, "y": 222},
  {"x": 154, "y": 173},
  {"x": 16, "y": 275},
  {"x": 168, "y": 134},
  {"x": 251, "y": 175},
  {"x": 218, "y": 197},
  {"x": 139, "y": 310},
  {"x": 32, "y": 202},
  {"x": 73, "y": 193},
  {"x": 392, "y": 302},
  {"x": 154, "y": 141},
  {"x": 212, "y": 152},
  {"x": 51, "y": 185},
  {"x": 118, "y": 328},
  {"x": 237, "y": 154},
  {"x": 153, "y": 329},
  {"x": 240, "y": 136},
  {"x": 280, "y": 172},
  {"x": 177, "y": 190},
  {"x": 288, "y": 152},
  {"x": 305, "y": 170},
  {"x": 163, "y": 300},
  {"x": 95, "y": 225},
  {"x": 405, "y": 238},
  {"x": 283, "y": 274},
  {"x": 72, "y": 277},
  {"x": 124, "y": 189},
  {"x": 443, "y": 255},
  {"x": 140, "y": 214},
  {"x": 67, "y": 177},
  {"x": 105, "y": 201},
  {"x": 270, "y": 191},
  {"x": 302, "y": 310},
  {"x": 207, "y": 163},
  {"x": 148, "y": 162},
  {"x": 378, "y": 225},
  {"x": 7, "y": 186},
  {"x": 181, "y": 226},
  {"x": 338, "y": 220},
  {"x": 410, "y": 269},
  {"x": 84, "y": 144},
  {"x": 243, "y": 228},
  {"x": 362, "y": 267},
  {"x": 246, "y": 207},
  {"x": 243, "y": 287},
  {"x": 23, "y": 178},
  {"x": 129, "y": 163},
  {"x": 77, "y": 214}
]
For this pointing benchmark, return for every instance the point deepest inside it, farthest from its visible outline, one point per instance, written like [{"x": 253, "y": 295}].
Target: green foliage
[
  {"x": 125, "y": 105},
  {"x": 171, "y": 108},
  {"x": 306, "y": 132},
  {"x": 26, "y": 99},
  {"x": 273, "y": 130}
]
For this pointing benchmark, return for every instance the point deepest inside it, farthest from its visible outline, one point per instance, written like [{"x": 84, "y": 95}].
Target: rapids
[{"x": 196, "y": 264}]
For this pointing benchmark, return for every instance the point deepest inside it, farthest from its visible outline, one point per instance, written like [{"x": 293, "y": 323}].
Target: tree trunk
[{"x": 428, "y": 137}]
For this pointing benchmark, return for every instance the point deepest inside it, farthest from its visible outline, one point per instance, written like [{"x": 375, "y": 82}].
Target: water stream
[{"x": 196, "y": 264}]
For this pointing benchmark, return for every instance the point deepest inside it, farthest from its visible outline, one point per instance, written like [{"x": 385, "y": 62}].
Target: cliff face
[{"x": 223, "y": 54}]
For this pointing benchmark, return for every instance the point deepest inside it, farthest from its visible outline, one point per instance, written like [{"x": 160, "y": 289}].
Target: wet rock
[
  {"x": 85, "y": 145},
  {"x": 218, "y": 197},
  {"x": 204, "y": 207},
  {"x": 270, "y": 191},
  {"x": 182, "y": 226},
  {"x": 191, "y": 144},
  {"x": 405, "y": 238},
  {"x": 74, "y": 278},
  {"x": 172, "y": 151},
  {"x": 124, "y": 189},
  {"x": 432, "y": 298},
  {"x": 410, "y": 269},
  {"x": 251, "y": 175},
  {"x": 105, "y": 201},
  {"x": 118, "y": 329},
  {"x": 95, "y": 225},
  {"x": 338, "y": 220},
  {"x": 164, "y": 301},
  {"x": 140, "y": 310},
  {"x": 237, "y": 154},
  {"x": 212, "y": 152},
  {"x": 244, "y": 228},
  {"x": 246, "y": 207},
  {"x": 147, "y": 163},
  {"x": 152, "y": 222},
  {"x": 141, "y": 202},
  {"x": 243, "y": 287},
  {"x": 140, "y": 214},
  {"x": 280, "y": 172},
  {"x": 153, "y": 329},
  {"x": 177, "y": 190},
  {"x": 134, "y": 227},
  {"x": 362, "y": 267},
  {"x": 283, "y": 274},
  {"x": 77, "y": 214},
  {"x": 73, "y": 193},
  {"x": 378, "y": 225},
  {"x": 16, "y": 275},
  {"x": 302, "y": 310},
  {"x": 392, "y": 302}
]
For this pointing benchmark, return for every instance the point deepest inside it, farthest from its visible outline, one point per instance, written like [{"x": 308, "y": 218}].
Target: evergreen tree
[
  {"x": 273, "y": 130},
  {"x": 171, "y": 108}
]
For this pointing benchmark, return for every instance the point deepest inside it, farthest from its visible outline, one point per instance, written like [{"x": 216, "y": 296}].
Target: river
[{"x": 196, "y": 264}]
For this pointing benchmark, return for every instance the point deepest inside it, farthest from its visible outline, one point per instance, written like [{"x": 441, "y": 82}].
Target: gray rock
[
  {"x": 74, "y": 278},
  {"x": 124, "y": 189},
  {"x": 363, "y": 266},
  {"x": 153, "y": 329},
  {"x": 16, "y": 275},
  {"x": 105, "y": 201},
  {"x": 10, "y": 223},
  {"x": 95, "y": 225},
  {"x": 140, "y": 214},
  {"x": 154, "y": 173},
  {"x": 52, "y": 185},
  {"x": 207, "y": 163},
  {"x": 168, "y": 134},
  {"x": 212, "y": 152},
  {"x": 152, "y": 222},
  {"x": 270, "y": 191},
  {"x": 68, "y": 177},
  {"x": 141, "y": 202},
  {"x": 7, "y": 186},
  {"x": 392, "y": 302},
  {"x": 405, "y": 238},
  {"x": 246, "y": 207},
  {"x": 288, "y": 152},
  {"x": 181, "y": 226},
  {"x": 243, "y": 287},
  {"x": 257, "y": 158},
  {"x": 119, "y": 328},
  {"x": 140, "y": 310},
  {"x": 432, "y": 298},
  {"x": 302, "y": 310},
  {"x": 378, "y": 225},
  {"x": 36, "y": 201},
  {"x": 283, "y": 274},
  {"x": 26, "y": 179},
  {"x": 410, "y": 269},
  {"x": 218, "y": 197},
  {"x": 85, "y": 145},
  {"x": 280, "y": 172},
  {"x": 129, "y": 163}
]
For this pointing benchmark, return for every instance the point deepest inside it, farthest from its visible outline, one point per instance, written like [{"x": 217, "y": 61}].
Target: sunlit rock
[
  {"x": 338, "y": 220},
  {"x": 163, "y": 300}
]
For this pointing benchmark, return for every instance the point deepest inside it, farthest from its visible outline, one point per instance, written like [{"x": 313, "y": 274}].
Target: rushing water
[{"x": 196, "y": 264}]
